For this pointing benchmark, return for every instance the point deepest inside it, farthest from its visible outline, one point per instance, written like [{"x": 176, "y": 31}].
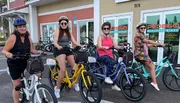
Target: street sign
[{"x": 75, "y": 21}]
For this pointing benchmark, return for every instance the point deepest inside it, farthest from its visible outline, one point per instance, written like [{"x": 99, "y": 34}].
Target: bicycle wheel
[
  {"x": 53, "y": 76},
  {"x": 92, "y": 94},
  {"x": 46, "y": 94},
  {"x": 170, "y": 80},
  {"x": 135, "y": 89}
]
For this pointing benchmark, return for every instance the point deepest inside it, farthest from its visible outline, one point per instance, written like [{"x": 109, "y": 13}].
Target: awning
[
  {"x": 39, "y": 2},
  {"x": 15, "y": 12}
]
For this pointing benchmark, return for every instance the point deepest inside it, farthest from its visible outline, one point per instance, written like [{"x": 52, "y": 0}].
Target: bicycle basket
[
  {"x": 34, "y": 65},
  {"x": 81, "y": 57},
  {"x": 128, "y": 58}
]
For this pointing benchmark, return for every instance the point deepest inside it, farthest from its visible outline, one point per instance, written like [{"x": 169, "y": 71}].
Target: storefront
[
  {"x": 163, "y": 19},
  {"x": 163, "y": 26}
]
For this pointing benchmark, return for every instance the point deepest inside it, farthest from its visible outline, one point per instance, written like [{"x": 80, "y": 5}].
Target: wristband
[{"x": 122, "y": 46}]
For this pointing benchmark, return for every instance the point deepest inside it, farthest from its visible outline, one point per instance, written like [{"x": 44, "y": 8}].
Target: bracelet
[{"x": 122, "y": 46}]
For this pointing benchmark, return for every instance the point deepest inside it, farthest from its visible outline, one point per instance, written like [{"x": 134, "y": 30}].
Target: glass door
[
  {"x": 120, "y": 28},
  {"x": 85, "y": 29},
  {"x": 123, "y": 27},
  {"x": 172, "y": 31},
  {"x": 153, "y": 21}
]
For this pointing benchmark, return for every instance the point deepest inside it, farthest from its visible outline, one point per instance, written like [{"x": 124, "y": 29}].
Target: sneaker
[
  {"x": 108, "y": 80},
  {"x": 76, "y": 87},
  {"x": 141, "y": 85},
  {"x": 115, "y": 87},
  {"x": 57, "y": 92},
  {"x": 155, "y": 86}
]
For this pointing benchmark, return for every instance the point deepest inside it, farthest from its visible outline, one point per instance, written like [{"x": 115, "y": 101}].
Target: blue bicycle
[{"x": 130, "y": 81}]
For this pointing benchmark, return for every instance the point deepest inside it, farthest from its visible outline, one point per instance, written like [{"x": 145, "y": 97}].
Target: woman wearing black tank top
[
  {"x": 18, "y": 42},
  {"x": 61, "y": 52}
]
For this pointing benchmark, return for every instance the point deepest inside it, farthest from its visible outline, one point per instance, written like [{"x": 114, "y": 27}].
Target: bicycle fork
[
  {"x": 172, "y": 70},
  {"x": 128, "y": 81},
  {"x": 85, "y": 83},
  {"x": 36, "y": 89}
]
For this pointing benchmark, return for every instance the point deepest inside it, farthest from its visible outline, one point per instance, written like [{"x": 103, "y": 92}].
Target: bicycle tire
[
  {"x": 165, "y": 80},
  {"x": 97, "y": 87},
  {"x": 49, "y": 90},
  {"x": 135, "y": 83}
]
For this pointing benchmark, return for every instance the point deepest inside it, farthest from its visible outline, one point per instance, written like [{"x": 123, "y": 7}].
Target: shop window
[{"x": 86, "y": 29}]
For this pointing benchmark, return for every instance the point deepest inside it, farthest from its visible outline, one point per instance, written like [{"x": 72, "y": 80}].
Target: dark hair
[
  {"x": 105, "y": 24},
  {"x": 61, "y": 32},
  {"x": 16, "y": 32}
]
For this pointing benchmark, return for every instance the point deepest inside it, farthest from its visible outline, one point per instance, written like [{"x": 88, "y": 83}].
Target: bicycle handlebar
[
  {"x": 27, "y": 55},
  {"x": 21, "y": 56}
]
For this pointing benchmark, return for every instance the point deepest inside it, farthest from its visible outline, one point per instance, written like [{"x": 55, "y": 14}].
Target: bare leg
[
  {"x": 71, "y": 61},
  {"x": 152, "y": 71},
  {"x": 15, "y": 93},
  {"x": 61, "y": 61}
]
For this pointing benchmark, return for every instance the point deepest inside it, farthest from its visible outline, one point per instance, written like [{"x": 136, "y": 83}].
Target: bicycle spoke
[
  {"x": 171, "y": 81},
  {"x": 93, "y": 97},
  {"x": 131, "y": 92},
  {"x": 137, "y": 91}
]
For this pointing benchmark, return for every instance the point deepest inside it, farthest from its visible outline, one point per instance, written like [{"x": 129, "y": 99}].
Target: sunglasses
[
  {"x": 63, "y": 23},
  {"x": 106, "y": 28},
  {"x": 142, "y": 28}
]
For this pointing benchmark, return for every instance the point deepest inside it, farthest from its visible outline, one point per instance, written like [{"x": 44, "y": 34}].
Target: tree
[
  {"x": 3, "y": 21},
  {"x": 175, "y": 19}
]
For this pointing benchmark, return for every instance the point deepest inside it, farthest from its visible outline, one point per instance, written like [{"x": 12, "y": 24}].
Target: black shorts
[
  {"x": 67, "y": 51},
  {"x": 16, "y": 68}
]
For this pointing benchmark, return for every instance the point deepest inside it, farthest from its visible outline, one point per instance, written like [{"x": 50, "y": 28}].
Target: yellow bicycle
[{"x": 90, "y": 88}]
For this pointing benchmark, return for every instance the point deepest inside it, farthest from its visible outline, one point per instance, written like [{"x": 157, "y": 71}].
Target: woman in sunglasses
[
  {"x": 105, "y": 41},
  {"x": 141, "y": 51},
  {"x": 62, "y": 51}
]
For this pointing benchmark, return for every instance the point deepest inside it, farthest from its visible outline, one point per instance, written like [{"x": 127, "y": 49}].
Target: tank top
[
  {"x": 64, "y": 41},
  {"x": 19, "y": 46},
  {"x": 107, "y": 41}
]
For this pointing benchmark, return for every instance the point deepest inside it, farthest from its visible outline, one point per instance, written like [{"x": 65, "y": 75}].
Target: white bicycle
[{"x": 32, "y": 87}]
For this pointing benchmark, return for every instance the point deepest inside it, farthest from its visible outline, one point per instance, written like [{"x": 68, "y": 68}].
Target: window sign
[{"x": 151, "y": 28}]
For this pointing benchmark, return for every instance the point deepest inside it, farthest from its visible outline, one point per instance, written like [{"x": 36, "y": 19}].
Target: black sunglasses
[
  {"x": 63, "y": 23},
  {"x": 106, "y": 28},
  {"x": 142, "y": 28}
]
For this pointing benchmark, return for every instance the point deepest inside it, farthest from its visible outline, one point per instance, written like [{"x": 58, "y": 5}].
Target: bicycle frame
[
  {"x": 158, "y": 69},
  {"x": 28, "y": 90},
  {"x": 78, "y": 71},
  {"x": 116, "y": 72}
]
